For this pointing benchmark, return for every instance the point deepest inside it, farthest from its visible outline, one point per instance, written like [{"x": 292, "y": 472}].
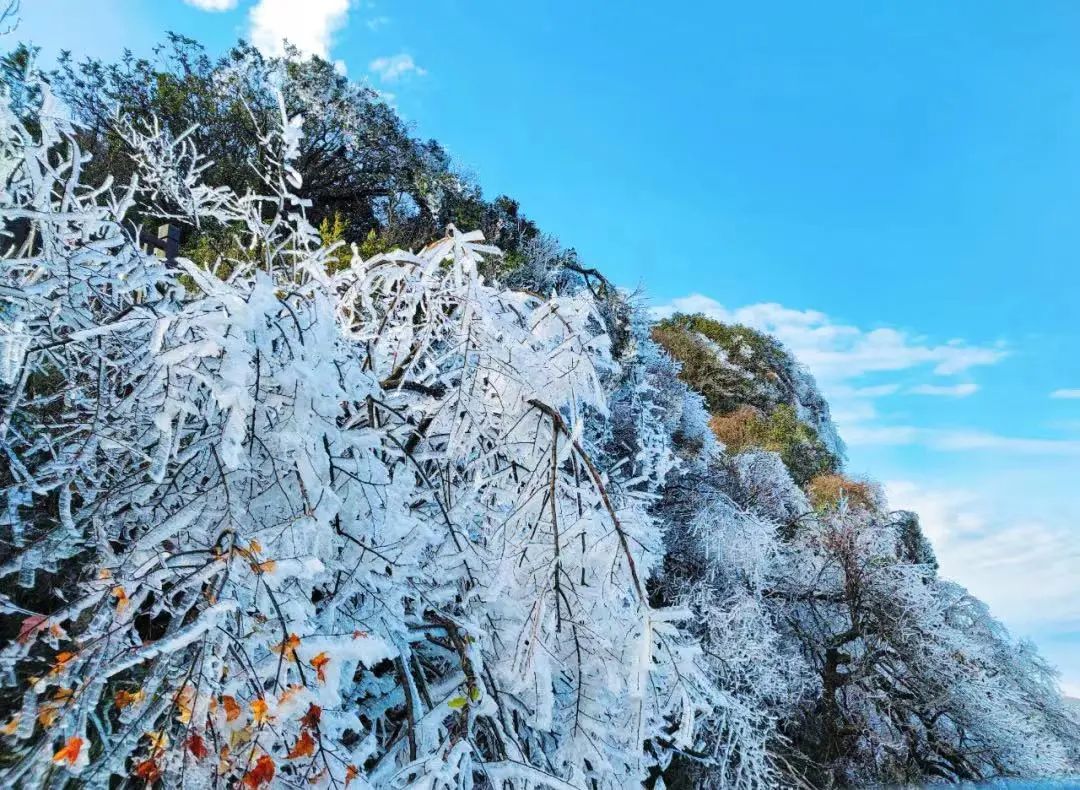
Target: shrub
[
  {"x": 781, "y": 432},
  {"x": 826, "y": 490}
]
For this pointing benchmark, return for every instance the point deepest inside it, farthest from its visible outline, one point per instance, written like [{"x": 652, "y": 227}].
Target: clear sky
[{"x": 893, "y": 188}]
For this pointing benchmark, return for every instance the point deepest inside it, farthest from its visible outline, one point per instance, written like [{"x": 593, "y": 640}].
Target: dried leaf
[
  {"x": 304, "y": 746},
  {"x": 260, "y": 711},
  {"x": 318, "y": 662},
  {"x": 62, "y": 658},
  {"x": 121, "y": 598},
  {"x": 261, "y": 773},
  {"x": 197, "y": 746},
  {"x": 232, "y": 710},
  {"x": 185, "y": 702},
  {"x": 310, "y": 720},
  {"x": 29, "y": 628},
  {"x": 148, "y": 770},
  {"x": 125, "y": 698},
  {"x": 47, "y": 714},
  {"x": 69, "y": 752},
  {"x": 287, "y": 648},
  {"x": 290, "y": 691},
  {"x": 158, "y": 739},
  {"x": 11, "y": 726}
]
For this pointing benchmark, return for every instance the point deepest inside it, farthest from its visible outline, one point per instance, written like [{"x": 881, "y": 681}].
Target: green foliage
[
  {"x": 368, "y": 179},
  {"x": 913, "y": 546},
  {"x": 749, "y": 371},
  {"x": 781, "y": 432},
  {"x": 745, "y": 378},
  {"x": 332, "y": 231},
  {"x": 215, "y": 248},
  {"x": 827, "y": 490}
]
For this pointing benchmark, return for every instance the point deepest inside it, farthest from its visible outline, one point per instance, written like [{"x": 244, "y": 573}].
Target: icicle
[
  {"x": 65, "y": 511},
  {"x": 31, "y": 559},
  {"x": 27, "y": 716},
  {"x": 13, "y": 345},
  {"x": 15, "y": 499}
]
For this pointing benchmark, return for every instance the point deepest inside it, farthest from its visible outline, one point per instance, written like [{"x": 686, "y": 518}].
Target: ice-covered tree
[{"x": 273, "y": 520}]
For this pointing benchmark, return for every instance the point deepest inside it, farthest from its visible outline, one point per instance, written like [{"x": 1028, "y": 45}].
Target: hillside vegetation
[{"x": 374, "y": 484}]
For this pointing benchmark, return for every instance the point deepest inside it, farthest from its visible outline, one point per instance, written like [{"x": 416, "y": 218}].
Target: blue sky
[{"x": 892, "y": 188}]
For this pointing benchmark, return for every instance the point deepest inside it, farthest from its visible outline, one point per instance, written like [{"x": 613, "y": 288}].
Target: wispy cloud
[
  {"x": 1066, "y": 394},
  {"x": 213, "y": 5},
  {"x": 945, "y": 390},
  {"x": 862, "y": 433},
  {"x": 393, "y": 67},
  {"x": 997, "y": 557},
  {"x": 377, "y": 22},
  {"x": 309, "y": 25}
]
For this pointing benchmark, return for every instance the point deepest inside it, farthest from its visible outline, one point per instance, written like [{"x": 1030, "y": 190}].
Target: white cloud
[
  {"x": 858, "y": 432},
  {"x": 308, "y": 25},
  {"x": 997, "y": 557},
  {"x": 946, "y": 390},
  {"x": 981, "y": 440},
  {"x": 213, "y": 5},
  {"x": 377, "y": 22},
  {"x": 394, "y": 67},
  {"x": 1066, "y": 394}
]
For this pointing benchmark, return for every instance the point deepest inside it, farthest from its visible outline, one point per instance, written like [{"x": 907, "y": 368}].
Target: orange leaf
[
  {"x": 61, "y": 659},
  {"x": 29, "y": 628},
  {"x": 266, "y": 566},
  {"x": 259, "y": 711},
  {"x": 290, "y": 691},
  {"x": 159, "y": 739},
  {"x": 11, "y": 726},
  {"x": 351, "y": 773},
  {"x": 255, "y": 547},
  {"x": 148, "y": 770},
  {"x": 197, "y": 746},
  {"x": 304, "y": 747},
  {"x": 223, "y": 759},
  {"x": 121, "y": 598},
  {"x": 261, "y": 774},
  {"x": 310, "y": 720},
  {"x": 125, "y": 698},
  {"x": 319, "y": 662},
  {"x": 232, "y": 710},
  {"x": 69, "y": 753},
  {"x": 47, "y": 714},
  {"x": 288, "y": 648},
  {"x": 185, "y": 702}
]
